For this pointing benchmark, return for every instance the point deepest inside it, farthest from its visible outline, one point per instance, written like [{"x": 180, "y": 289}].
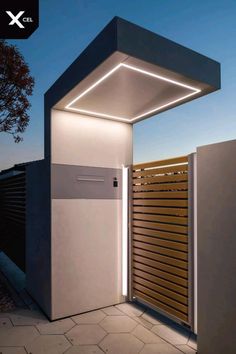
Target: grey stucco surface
[
  {"x": 216, "y": 184},
  {"x": 84, "y": 182}
]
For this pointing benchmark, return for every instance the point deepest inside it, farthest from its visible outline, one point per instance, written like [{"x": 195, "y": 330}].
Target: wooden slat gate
[{"x": 159, "y": 242}]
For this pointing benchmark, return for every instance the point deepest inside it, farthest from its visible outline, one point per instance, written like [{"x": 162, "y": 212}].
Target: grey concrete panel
[
  {"x": 38, "y": 240},
  {"x": 83, "y": 182},
  {"x": 216, "y": 200},
  {"x": 150, "y": 47}
]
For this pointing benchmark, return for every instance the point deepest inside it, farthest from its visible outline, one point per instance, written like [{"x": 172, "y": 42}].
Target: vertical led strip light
[{"x": 124, "y": 231}]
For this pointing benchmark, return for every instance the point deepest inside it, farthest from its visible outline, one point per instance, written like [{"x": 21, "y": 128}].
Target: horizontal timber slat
[
  {"x": 160, "y": 275},
  {"x": 161, "y": 250},
  {"x": 14, "y": 210},
  {"x": 167, "y": 219},
  {"x": 165, "y": 283},
  {"x": 13, "y": 198},
  {"x": 14, "y": 192},
  {"x": 161, "y": 226},
  {"x": 174, "y": 304},
  {"x": 161, "y": 234},
  {"x": 14, "y": 217},
  {"x": 161, "y": 171},
  {"x": 175, "y": 203},
  {"x": 15, "y": 206},
  {"x": 16, "y": 184},
  {"x": 161, "y": 187},
  {"x": 161, "y": 195},
  {"x": 152, "y": 301},
  {"x": 161, "y": 290},
  {"x": 161, "y": 211},
  {"x": 166, "y": 162},
  {"x": 161, "y": 266},
  {"x": 13, "y": 181},
  {"x": 156, "y": 241},
  {"x": 14, "y": 213},
  {"x": 158, "y": 179},
  {"x": 16, "y": 202},
  {"x": 161, "y": 258},
  {"x": 13, "y": 189}
]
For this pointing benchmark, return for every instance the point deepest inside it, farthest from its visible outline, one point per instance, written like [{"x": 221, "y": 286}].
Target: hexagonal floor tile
[
  {"x": 118, "y": 324},
  {"x": 86, "y": 334},
  {"x": 171, "y": 335},
  {"x": 5, "y": 323},
  {"x": 84, "y": 349},
  {"x": 186, "y": 349},
  {"x": 12, "y": 350},
  {"x": 48, "y": 344},
  {"x": 92, "y": 317},
  {"x": 112, "y": 311},
  {"x": 130, "y": 309},
  {"x": 24, "y": 317},
  {"x": 56, "y": 327},
  {"x": 146, "y": 336},
  {"x": 121, "y": 343},
  {"x": 160, "y": 348},
  {"x": 18, "y": 336},
  {"x": 193, "y": 341},
  {"x": 150, "y": 317},
  {"x": 143, "y": 322}
]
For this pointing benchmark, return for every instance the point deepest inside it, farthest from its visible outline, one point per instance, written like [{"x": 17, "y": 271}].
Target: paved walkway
[{"x": 121, "y": 329}]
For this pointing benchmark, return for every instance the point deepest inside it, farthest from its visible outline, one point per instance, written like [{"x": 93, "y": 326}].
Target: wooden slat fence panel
[
  {"x": 160, "y": 235},
  {"x": 12, "y": 217},
  {"x": 12, "y": 198}
]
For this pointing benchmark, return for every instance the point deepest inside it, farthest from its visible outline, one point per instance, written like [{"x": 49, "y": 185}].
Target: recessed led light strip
[
  {"x": 164, "y": 106},
  {"x": 103, "y": 115},
  {"x": 95, "y": 84},
  {"x": 163, "y": 78},
  {"x": 124, "y": 231}
]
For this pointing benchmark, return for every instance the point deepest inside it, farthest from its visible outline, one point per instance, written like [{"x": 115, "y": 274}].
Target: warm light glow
[
  {"x": 95, "y": 84},
  {"x": 124, "y": 231},
  {"x": 157, "y": 76},
  {"x": 131, "y": 120},
  {"x": 102, "y": 115},
  {"x": 165, "y": 105}
]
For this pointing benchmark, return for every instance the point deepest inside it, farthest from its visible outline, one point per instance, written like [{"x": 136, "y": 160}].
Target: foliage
[{"x": 16, "y": 84}]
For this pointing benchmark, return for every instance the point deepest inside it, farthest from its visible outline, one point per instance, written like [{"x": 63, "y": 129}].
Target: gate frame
[{"x": 192, "y": 267}]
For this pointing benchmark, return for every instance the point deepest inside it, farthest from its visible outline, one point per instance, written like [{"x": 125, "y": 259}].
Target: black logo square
[{"x": 18, "y": 19}]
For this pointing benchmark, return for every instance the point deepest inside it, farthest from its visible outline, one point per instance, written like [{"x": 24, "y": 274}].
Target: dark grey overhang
[{"x": 129, "y": 73}]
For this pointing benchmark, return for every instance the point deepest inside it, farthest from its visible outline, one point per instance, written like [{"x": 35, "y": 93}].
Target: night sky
[{"x": 67, "y": 27}]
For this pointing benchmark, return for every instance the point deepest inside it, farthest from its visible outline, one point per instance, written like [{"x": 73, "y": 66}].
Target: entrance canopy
[{"x": 129, "y": 74}]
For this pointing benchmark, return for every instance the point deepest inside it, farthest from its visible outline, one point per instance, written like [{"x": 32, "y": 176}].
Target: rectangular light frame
[{"x": 147, "y": 113}]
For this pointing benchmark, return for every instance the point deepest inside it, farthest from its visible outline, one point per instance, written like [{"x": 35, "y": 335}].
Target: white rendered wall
[
  {"x": 88, "y": 141},
  {"x": 86, "y": 233},
  {"x": 86, "y": 255}
]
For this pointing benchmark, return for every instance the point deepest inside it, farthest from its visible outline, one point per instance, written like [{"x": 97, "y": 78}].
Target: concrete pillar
[{"x": 216, "y": 185}]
